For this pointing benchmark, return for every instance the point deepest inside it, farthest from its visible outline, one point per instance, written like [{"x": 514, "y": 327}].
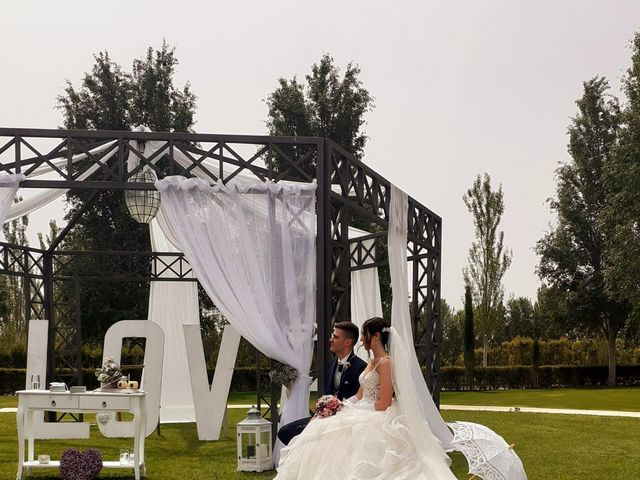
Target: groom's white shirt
[{"x": 338, "y": 374}]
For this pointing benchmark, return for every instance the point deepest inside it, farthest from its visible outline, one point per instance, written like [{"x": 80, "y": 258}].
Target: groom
[{"x": 342, "y": 375}]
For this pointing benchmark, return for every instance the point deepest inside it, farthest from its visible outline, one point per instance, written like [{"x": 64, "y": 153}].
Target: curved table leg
[
  {"x": 20, "y": 425},
  {"x": 143, "y": 433},
  {"x": 29, "y": 421}
]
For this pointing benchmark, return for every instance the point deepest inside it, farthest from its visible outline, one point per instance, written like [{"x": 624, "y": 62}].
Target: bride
[{"x": 371, "y": 437}]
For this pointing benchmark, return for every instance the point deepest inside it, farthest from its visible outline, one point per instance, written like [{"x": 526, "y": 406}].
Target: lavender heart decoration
[{"x": 76, "y": 465}]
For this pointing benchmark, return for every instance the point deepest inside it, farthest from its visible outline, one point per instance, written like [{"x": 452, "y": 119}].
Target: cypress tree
[{"x": 469, "y": 337}]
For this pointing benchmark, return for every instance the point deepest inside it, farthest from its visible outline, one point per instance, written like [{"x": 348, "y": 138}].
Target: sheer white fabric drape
[
  {"x": 366, "y": 300},
  {"x": 413, "y": 395},
  {"x": 258, "y": 269},
  {"x": 427, "y": 446},
  {"x": 40, "y": 199},
  {"x": 9, "y": 183},
  {"x": 172, "y": 304}
]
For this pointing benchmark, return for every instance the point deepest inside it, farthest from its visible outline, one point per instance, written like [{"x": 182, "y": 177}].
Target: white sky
[{"x": 461, "y": 87}]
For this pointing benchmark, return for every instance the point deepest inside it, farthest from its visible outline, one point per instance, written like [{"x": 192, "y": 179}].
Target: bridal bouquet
[{"x": 327, "y": 406}]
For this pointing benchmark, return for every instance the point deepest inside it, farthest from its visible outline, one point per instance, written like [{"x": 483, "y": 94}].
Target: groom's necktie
[{"x": 338, "y": 376}]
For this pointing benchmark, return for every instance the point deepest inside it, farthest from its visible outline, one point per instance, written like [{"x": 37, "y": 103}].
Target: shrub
[
  {"x": 519, "y": 351},
  {"x": 548, "y": 376},
  {"x": 14, "y": 357}
]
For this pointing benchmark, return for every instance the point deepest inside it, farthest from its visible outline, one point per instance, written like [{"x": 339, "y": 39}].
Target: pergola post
[
  {"x": 47, "y": 283},
  {"x": 323, "y": 264}
]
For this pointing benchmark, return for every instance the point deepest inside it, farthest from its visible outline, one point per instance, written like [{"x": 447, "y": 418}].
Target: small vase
[{"x": 110, "y": 385}]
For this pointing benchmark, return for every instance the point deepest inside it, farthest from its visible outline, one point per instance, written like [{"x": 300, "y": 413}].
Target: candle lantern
[
  {"x": 142, "y": 204},
  {"x": 254, "y": 443}
]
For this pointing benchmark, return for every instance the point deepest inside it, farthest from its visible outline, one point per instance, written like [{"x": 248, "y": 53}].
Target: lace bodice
[{"x": 370, "y": 383}]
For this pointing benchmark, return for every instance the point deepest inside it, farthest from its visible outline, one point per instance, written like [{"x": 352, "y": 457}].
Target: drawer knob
[
  {"x": 104, "y": 404},
  {"x": 53, "y": 403}
]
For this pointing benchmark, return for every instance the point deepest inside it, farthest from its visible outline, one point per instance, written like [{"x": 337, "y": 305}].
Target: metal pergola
[{"x": 359, "y": 194}]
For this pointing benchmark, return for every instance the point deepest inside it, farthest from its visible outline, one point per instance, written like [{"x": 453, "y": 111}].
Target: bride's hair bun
[{"x": 377, "y": 325}]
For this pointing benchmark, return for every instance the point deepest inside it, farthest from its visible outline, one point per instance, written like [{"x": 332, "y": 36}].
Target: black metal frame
[{"x": 362, "y": 193}]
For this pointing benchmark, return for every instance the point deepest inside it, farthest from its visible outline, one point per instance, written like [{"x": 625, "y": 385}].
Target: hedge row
[
  {"x": 16, "y": 356},
  {"x": 519, "y": 351},
  {"x": 451, "y": 378},
  {"x": 548, "y": 376}
]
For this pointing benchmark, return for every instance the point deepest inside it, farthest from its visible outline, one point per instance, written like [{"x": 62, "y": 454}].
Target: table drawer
[
  {"x": 104, "y": 403},
  {"x": 53, "y": 401}
]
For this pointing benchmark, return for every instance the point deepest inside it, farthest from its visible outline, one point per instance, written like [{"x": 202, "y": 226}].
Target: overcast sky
[{"x": 460, "y": 87}]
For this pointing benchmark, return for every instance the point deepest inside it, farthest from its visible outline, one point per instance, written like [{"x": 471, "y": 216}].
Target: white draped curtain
[
  {"x": 172, "y": 304},
  {"x": 418, "y": 403},
  {"x": 252, "y": 247},
  {"x": 38, "y": 200},
  {"x": 9, "y": 183},
  {"x": 366, "y": 301}
]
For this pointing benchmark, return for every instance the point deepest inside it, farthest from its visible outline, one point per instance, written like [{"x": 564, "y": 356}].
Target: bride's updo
[{"x": 376, "y": 325}]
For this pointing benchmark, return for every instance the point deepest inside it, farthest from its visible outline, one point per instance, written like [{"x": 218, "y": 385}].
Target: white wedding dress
[{"x": 360, "y": 443}]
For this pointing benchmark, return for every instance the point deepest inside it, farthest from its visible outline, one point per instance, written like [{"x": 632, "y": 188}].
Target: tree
[
  {"x": 520, "y": 318},
  {"x": 469, "y": 337},
  {"x": 572, "y": 255},
  {"x": 327, "y": 106},
  {"x": 13, "y": 322},
  {"x": 551, "y": 316},
  {"x": 45, "y": 241},
  {"x": 112, "y": 99},
  {"x": 488, "y": 258},
  {"x": 452, "y": 343},
  {"x": 622, "y": 209}
]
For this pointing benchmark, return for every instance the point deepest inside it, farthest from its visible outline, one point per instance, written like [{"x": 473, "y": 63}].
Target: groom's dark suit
[
  {"x": 348, "y": 387},
  {"x": 349, "y": 381}
]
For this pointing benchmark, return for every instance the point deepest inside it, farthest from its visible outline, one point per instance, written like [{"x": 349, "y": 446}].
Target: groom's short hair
[{"x": 350, "y": 329}]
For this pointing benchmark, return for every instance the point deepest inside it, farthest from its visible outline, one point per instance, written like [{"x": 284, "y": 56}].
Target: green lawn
[
  {"x": 621, "y": 399},
  {"x": 8, "y": 401},
  {"x": 551, "y": 446}
]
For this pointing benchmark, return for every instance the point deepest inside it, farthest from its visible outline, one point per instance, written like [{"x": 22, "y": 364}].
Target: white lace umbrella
[{"x": 489, "y": 456}]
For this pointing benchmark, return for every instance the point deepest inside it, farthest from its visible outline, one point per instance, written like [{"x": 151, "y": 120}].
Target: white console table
[{"x": 31, "y": 401}]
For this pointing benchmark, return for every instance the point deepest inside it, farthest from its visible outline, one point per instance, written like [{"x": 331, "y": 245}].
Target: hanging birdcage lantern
[{"x": 143, "y": 205}]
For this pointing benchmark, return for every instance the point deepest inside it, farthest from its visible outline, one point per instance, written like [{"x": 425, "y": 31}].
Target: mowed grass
[
  {"x": 8, "y": 401},
  {"x": 551, "y": 446},
  {"x": 620, "y": 399},
  {"x": 564, "y": 447}
]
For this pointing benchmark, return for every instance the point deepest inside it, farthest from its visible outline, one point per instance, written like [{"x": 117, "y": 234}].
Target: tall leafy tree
[
  {"x": 326, "y": 104},
  {"x": 451, "y": 334},
  {"x": 622, "y": 177},
  {"x": 520, "y": 318},
  {"x": 110, "y": 98},
  {"x": 572, "y": 255},
  {"x": 551, "y": 315},
  {"x": 488, "y": 257},
  {"x": 13, "y": 326},
  {"x": 45, "y": 240},
  {"x": 469, "y": 337}
]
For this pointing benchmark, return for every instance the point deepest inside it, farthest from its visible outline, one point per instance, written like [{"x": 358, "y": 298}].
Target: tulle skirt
[{"x": 358, "y": 444}]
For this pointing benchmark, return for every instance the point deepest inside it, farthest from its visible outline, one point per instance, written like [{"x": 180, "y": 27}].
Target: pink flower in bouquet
[{"x": 327, "y": 406}]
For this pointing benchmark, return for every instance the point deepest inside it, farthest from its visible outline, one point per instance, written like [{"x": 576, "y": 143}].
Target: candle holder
[{"x": 254, "y": 443}]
